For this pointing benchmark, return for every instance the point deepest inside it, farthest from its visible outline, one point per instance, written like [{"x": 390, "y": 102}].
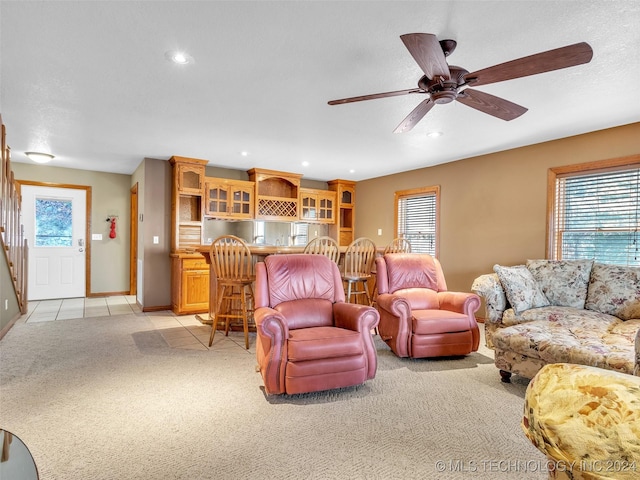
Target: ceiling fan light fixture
[{"x": 39, "y": 157}]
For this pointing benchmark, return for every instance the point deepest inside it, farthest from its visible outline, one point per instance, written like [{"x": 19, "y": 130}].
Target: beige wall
[
  {"x": 492, "y": 207},
  {"x": 110, "y": 196}
]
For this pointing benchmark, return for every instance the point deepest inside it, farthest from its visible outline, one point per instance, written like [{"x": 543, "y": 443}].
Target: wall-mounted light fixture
[{"x": 39, "y": 157}]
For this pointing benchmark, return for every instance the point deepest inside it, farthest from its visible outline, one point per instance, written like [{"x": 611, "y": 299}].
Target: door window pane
[{"x": 54, "y": 226}]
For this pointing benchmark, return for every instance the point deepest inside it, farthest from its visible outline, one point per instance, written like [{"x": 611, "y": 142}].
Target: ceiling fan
[{"x": 443, "y": 83}]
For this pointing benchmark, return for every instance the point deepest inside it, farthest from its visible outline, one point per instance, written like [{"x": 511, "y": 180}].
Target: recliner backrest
[
  {"x": 303, "y": 287},
  {"x": 297, "y": 276},
  {"x": 417, "y": 277}
]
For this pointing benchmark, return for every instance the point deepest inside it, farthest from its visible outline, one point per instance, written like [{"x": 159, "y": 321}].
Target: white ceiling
[{"x": 89, "y": 81}]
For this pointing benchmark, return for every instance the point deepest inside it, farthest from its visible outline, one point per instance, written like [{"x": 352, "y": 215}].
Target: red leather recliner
[
  {"x": 418, "y": 316},
  {"x": 308, "y": 338}
]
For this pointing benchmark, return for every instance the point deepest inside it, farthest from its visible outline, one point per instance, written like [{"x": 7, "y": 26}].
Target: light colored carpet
[{"x": 106, "y": 398}]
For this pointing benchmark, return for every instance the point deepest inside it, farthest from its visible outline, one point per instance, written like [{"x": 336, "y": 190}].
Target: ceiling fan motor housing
[{"x": 442, "y": 90}]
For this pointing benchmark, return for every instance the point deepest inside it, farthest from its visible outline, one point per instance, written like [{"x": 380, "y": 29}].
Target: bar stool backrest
[
  {"x": 359, "y": 257},
  {"x": 398, "y": 245},
  {"x": 326, "y": 246},
  {"x": 231, "y": 259}
]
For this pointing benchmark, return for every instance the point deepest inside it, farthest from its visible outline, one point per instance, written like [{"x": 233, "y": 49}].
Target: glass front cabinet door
[{"x": 231, "y": 199}]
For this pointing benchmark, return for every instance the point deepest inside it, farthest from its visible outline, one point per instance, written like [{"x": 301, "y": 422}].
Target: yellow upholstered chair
[
  {"x": 586, "y": 420},
  {"x": 234, "y": 276}
]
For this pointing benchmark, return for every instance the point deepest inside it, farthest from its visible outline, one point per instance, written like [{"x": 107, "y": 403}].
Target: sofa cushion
[
  {"x": 563, "y": 282},
  {"x": 592, "y": 338},
  {"x": 521, "y": 289},
  {"x": 614, "y": 290}
]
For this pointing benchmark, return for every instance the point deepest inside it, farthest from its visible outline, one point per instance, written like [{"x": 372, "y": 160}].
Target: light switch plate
[
  {"x": 156, "y": 240},
  {"x": 96, "y": 236}
]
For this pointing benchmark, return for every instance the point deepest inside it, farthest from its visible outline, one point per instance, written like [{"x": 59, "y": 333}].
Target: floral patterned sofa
[{"x": 565, "y": 311}]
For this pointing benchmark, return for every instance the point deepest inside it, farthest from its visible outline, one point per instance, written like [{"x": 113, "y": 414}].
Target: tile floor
[{"x": 179, "y": 331}]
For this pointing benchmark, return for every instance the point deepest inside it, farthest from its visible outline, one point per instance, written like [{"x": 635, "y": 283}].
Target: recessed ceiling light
[
  {"x": 181, "y": 58},
  {"x": 352, "y": 171},
  {"x": 305, "y": 164},
  {"x": 39, "y": 157},
  {"x": 244, "y": 153},
  {"x": 434, "y": 134}
]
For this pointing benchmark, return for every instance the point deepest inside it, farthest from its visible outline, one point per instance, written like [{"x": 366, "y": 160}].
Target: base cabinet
[{"x": 190, "y": 279}]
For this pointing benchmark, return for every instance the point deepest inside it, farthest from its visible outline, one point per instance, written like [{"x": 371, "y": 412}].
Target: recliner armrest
[
  {"x": 360, "y": 318},
  {"x": 272, "y": 324},
  {"x": 272, "y": 333},
  {"x": 460, "y": 302},
  {"x": 394, "y": 304}
]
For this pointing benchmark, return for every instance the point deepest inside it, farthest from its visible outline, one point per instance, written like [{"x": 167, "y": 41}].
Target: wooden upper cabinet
[
  {"x": 277, "y": 194},
  {"x": 189, "y": 176},
  {"x": 344, "y": 227},
  {"x": 231, "y": 199},
  {"x": 318, "y": 206},
  {"x": 186, "y": 202}
]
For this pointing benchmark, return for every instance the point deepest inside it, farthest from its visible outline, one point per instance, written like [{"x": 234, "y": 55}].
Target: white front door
[{"x": 54, "y": 221}]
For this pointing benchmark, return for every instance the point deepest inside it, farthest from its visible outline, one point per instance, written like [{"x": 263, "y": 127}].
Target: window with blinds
[
  {"x": 300, "y": 234},
  {"x": 417, "y": 214},
  {"x": 596, "y": 216}
]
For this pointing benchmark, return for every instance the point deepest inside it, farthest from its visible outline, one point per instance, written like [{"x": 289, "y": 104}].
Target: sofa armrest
[{"x": 488, "y": 287}]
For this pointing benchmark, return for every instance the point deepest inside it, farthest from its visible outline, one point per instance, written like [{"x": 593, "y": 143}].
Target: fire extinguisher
[{"x": 112, "y": 233}]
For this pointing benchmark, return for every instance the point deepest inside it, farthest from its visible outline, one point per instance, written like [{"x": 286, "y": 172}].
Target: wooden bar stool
[
  {"x": 233, "y": 266},
  {"x": 358, "y": 260}
]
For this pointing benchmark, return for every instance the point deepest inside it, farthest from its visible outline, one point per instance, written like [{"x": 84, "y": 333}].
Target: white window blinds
[
  {"x": 597, "y": 216},
  {"x": 417, "y": 220}
]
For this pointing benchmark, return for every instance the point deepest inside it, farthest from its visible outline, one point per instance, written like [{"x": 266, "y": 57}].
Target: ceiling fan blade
[
  {"x": 427, "y": 52},
  {"x": 548, "y": 61},
  {"x": 496, "y": 106},
  {"x": 375, "y": 95},
  {"x": 415, "y": 116}
]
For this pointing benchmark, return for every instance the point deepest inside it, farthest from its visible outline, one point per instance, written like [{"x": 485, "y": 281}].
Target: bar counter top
[{"x": 264, "y": 250}]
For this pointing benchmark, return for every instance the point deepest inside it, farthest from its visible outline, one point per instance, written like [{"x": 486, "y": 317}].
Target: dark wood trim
[
  {"x": 107, "y": 294},
  {"x": 156, "y": 309},
  {"x": 133, "y": 242}
]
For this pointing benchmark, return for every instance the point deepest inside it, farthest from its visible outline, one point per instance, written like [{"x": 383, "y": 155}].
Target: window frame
[
  {"x": 552, "y": 250},
  {"x": 419, "y": 192}
]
